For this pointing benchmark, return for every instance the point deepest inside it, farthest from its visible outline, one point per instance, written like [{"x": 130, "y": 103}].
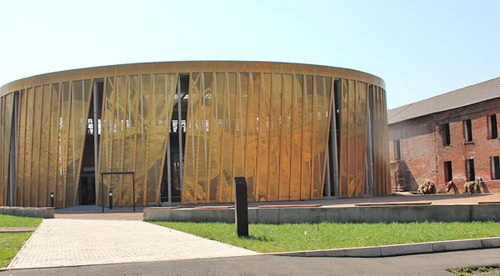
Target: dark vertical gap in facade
[
  {"x": 11, "y": 186},
  {"x": 87, "y": 186},
  {"x": 369, "y": 140},
  {"x": 337, "y": 91},
  {"x": 338, "y": 96},
  {"x": 329, "y": 180},
  {"x": 97, "y": 106},
  {"x": 448, "y": 171},
  {"x": 371, "y": 103},
  {"x": 176, "y": 125},
  {"x": 334, "y": 175}
]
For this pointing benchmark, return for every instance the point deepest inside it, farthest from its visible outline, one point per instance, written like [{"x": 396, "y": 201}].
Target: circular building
[{"x": 154, "y": 133}]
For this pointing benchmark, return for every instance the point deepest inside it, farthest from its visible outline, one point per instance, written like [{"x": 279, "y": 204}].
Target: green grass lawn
[
  {"x": 297, "y": 237},
  {"x": 10, "y": 243},
  {"x": 13, "y": 221}
]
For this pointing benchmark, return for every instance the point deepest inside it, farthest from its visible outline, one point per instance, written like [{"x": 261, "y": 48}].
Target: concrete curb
[
  {"x": 398, "y": 249},
  {"x": 41, "y": 212},
  {"x": 378, "y": 213},
  {"x": 17, "y": 229}
]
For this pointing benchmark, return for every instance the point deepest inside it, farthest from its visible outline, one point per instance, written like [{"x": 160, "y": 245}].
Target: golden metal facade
[
  {"x": 267, "y": 121},
  {"x": 52, "y": 124},
  {"x": 137, "y": 111},
  {"x": 249, "y": 124},
  {"x": 6, "y": 112}
]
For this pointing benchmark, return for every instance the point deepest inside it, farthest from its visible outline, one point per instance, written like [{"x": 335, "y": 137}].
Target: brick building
[{"x": 452, "y": 136}]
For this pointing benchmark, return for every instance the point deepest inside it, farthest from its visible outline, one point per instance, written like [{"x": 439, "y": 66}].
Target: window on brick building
[
  {"x": 468, "y": 130},
  {"x": 495, "y": 167},
  {"x": 445, "y": 132},
  {"x": 397, "y": 150},
  {"x": 469, "y": 167},
  {"x": 448, "y": 173},
  {"x": 492, "y": 127}
]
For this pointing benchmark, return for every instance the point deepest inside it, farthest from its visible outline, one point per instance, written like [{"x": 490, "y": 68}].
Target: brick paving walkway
[
  {"x": 105, "y": 216},
  {"x": 95, "y": 212},
  {"x": 72, "y": 242}
]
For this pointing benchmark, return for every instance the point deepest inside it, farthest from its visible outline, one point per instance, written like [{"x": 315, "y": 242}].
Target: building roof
[
  {"x": 190, "y": 67},
  {"x": 468, "y": 95}
]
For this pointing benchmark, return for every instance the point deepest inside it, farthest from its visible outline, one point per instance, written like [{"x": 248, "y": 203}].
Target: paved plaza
[
  {"x": 82, "y": 235},
  {"x": 95, "y": 212},
  {"x": 74, "y": 242}
]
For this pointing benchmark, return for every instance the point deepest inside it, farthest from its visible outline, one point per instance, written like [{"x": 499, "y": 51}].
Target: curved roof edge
[{"x": 187, "y": 67}]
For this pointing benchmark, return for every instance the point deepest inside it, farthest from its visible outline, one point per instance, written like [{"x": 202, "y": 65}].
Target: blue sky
[{"x": 420, "y": 48}]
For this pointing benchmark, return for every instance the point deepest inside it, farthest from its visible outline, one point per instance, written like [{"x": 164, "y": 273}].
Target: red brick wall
[{"x": 423, "y": 152}]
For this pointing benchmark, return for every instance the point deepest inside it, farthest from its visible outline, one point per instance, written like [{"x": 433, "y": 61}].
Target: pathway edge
[{"x": 398, "y": 249}]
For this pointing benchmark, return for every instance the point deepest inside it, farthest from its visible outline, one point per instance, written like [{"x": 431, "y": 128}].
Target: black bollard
[
  {"x": 110, "y": 200},
  {"x": 241, "y": 208},
  {"x": 52, "y": 200}
]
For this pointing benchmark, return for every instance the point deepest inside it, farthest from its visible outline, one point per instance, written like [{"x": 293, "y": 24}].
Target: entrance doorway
[
  {"x": 86, "y": 189},
  {"x": 171, "y": 186},
  {"x": 87, "y": 184}
]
